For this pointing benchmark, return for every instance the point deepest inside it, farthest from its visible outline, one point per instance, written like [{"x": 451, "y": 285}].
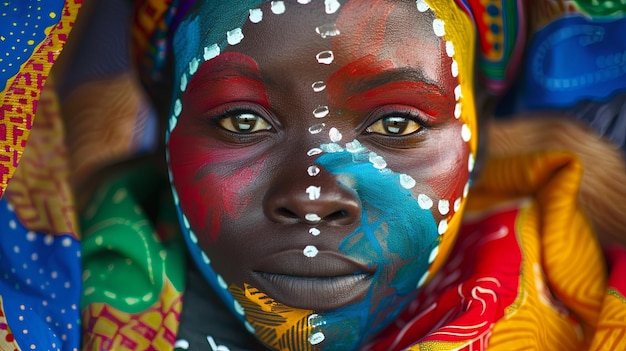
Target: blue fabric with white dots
[
  {"x": 22, "y": 29},
  {"x": 40, "y": 279}
]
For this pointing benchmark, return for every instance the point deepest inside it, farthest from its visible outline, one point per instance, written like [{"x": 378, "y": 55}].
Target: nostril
[
  {"x": 336, "y": 216},
  {"x": 286, "y": 213}
]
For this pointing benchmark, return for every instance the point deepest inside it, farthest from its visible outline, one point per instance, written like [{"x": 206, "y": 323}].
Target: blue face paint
[{"x": 396, "y": 235}]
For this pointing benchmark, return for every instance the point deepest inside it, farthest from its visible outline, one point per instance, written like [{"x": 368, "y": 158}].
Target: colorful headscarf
[{"x": 539, "y": 304}]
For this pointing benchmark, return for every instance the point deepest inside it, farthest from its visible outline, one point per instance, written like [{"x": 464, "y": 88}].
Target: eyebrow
[{"x": 406, "y": 74}]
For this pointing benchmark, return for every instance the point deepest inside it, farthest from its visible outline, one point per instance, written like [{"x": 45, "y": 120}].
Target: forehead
[{"x": 389, "y": 30}]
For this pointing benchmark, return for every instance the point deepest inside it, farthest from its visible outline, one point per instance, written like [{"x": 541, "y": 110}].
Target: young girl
[{"x": 324, "y": 161}]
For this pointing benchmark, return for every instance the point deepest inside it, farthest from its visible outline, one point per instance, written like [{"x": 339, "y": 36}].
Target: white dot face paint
[
  {"x": 457, "y": 93},
  {"x": 424, "y": 202},
  {"x": 406, "y": 181},
  {"x": 316, "y": 338},
  {"x": 314, "y": 151},
  {"x": 256, "y": 15},
  {"x": 377, "y": 161},
  {"x": 466, "y": 133},
  {"x": 331, "y": 6},
  {"x": 316, "y": 128},
  {"x": 211, "y": 52},
  {"x": 321, "y": 112},
  {"x": 313, "y": 171},
  {"x": 314, "y": 231},
  {"x": 327, "y": 30},
  {"x": 457, "y": 205},
  {"x": 234, "y": 37},
  {"x": 318, "y": 86},
  {"x": 422, "y": 6},
  {"x": 178, "y": 107},
  {"x": 193, "y": 66},
  {"x": 314, "y": 192},
  {"x": 439, "y": 27},
  {"x": 183, "y": 82},
  {"x": 310, "y": 251},
  {"x": 422, "y": 280},
  {"x": 444, "y": 207},
  {"x": 433, "y": 255},
  {"x": 325, "y": 57},
  {"x": 449, "y": 49},
  {"x": 443, "y": 227},
  {"x": 335, "y": 135},
  {"x": 312, "y": 217},
  {"x": 455, "y": 68},
  {"x": 470, "y": 163},
  {"x": 458, "y": 108},
  {"x": 278, "y": 7}
]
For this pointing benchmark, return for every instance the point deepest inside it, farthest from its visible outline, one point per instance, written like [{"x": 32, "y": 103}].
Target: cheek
[
  {"x": 449, "y": 171},
  {"x": 211, "y": 183}
]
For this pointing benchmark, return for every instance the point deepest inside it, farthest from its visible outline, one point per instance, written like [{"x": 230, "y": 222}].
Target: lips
[{"x": 326, "y": 281}]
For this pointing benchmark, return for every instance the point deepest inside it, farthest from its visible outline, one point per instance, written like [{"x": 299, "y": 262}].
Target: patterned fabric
[
  {"x": 506, "y": 285},
  {"x": 523, "y": 240},
  {"x": 26, "y": 62},
  {"x": 121, "y": 245}
]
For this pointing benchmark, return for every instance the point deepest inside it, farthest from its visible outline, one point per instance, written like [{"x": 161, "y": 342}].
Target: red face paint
[{"x": 200, "y": 162}]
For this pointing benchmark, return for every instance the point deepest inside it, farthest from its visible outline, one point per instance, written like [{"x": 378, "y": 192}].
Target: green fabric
[{"x": 126, "y": 260}]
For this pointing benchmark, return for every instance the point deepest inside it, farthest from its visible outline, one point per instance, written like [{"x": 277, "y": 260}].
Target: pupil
[
  {"x": 244, "y": 122},
  {"x": 395, "y": 125}
]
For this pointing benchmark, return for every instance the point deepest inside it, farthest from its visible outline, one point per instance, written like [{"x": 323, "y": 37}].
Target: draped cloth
[{"x": 533, "y": 274}]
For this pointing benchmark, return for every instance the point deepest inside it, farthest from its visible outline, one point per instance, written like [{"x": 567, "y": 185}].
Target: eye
[
  {"x": 394, "y": 125},
  {"x": 243, "y": 123}
]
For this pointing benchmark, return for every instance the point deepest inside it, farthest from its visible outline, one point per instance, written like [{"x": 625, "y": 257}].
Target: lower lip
[{"x": 314, "y": 293}]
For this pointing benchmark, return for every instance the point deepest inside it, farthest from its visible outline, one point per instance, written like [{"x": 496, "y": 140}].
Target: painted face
[{"x": 319, "y": 159}]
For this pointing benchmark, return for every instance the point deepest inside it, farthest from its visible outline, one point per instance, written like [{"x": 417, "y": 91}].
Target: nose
[{"x": 311, "y": 200}]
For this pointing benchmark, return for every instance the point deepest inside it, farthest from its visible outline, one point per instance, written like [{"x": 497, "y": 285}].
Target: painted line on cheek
[{"x": 310, "y": 251}]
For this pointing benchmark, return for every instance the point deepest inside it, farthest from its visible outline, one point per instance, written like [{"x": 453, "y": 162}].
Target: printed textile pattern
[
  {"x": 122, "y": 245},
  {"x": 505, "y": 297},
  {"x": 26, "y": 63}
]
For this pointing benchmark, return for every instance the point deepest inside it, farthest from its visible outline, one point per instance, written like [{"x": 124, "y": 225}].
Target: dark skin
[{"x": 239, "y": 151}]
